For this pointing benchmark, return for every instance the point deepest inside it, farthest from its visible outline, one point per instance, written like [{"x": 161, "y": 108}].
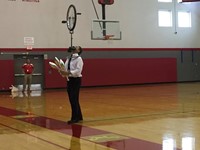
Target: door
[{"x": 38, "y": 74}]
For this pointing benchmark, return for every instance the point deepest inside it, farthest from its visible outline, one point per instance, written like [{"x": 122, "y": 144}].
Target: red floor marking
[
  {"x": 80, "y": 131},
  {"x": 133, "y": 144}
]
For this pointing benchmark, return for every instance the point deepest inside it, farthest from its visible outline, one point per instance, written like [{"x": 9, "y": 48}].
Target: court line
[
  {"x": 80, "y": 131},
  {"x": 35, "y": 137},
  {"x": 142, "y": 115}
]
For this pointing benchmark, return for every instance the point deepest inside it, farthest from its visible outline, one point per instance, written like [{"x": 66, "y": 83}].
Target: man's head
[
  {"x": 75, "y": 49},
  {"x": 28, "y": 60},
  {"x": 79, "y": 50}
]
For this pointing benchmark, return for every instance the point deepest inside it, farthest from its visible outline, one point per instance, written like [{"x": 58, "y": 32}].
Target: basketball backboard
[{"x": 105, "y": 30}]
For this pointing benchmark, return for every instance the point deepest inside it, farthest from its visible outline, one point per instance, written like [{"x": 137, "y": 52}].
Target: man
[
  {"x": 73, "y": 69},
  {"x": 27, "y": 69}
]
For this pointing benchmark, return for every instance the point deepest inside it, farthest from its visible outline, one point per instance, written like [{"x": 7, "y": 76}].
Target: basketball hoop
[
  {"x": 105, "y": 30},
  {"x": 29, "y": 47},
  {"x": 108, "y": 37}
]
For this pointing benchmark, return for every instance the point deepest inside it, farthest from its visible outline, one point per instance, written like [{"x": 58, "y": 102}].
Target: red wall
[
  {"x": 129, "y": 71},
  {"x": 7, "y": 74},
  {"x": 52, "y": 78},
  {"x": 99, "y": 72}
]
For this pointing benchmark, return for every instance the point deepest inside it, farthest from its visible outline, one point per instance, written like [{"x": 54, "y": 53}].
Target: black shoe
[
  {"x": 72, "y": 121},
  {"x": 80, "y": 120}
]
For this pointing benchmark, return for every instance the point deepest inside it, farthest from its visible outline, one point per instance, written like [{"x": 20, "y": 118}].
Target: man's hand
[{"x": 63, "y": 72}]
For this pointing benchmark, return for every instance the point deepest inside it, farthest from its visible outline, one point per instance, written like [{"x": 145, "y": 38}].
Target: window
[
  {"x": 184, "y": 19},
  {"x": 173, "y": 13},
  {"x": 165, "y": 18}
]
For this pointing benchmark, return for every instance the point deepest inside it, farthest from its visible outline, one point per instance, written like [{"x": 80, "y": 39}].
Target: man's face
[
  {"x": 77, "y": 49},
  {"x": 28, "y": 61}
]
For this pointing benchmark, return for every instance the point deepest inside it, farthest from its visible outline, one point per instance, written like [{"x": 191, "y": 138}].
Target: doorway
[{"x": 38, "y": 74}]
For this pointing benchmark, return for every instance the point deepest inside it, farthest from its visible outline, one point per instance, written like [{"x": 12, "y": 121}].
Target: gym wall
[{"x": 146, "y": 54}]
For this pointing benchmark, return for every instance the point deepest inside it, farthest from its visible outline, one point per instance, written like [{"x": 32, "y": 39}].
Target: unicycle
[{"x": 71, "y": 18}]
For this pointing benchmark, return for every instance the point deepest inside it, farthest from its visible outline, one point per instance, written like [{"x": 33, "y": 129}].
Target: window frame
[{"x": 170, "y": 24}]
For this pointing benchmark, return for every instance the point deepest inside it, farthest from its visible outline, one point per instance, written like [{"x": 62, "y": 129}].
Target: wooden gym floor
[{"x": 135, "y": 117}]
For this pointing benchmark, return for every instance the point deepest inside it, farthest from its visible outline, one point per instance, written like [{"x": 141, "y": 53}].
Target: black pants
[{"x": 73, "y": 88}]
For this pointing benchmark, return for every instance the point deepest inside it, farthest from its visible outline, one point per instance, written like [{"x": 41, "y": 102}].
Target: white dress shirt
[{"x": 76, "y": 66}]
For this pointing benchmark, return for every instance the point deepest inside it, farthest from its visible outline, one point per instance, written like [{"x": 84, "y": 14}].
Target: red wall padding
[
  {"x": 7, "y": 74},
  {"x": 52, "y": 78},
  {"x": 100, "y": 72},
  {"x": 129, "y": 71}
]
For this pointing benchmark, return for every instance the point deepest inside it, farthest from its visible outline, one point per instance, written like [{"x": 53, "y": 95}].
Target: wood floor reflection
[{"x": 135, "y": 117}]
